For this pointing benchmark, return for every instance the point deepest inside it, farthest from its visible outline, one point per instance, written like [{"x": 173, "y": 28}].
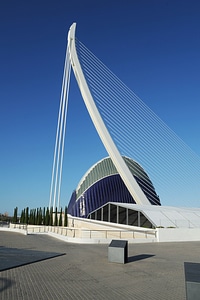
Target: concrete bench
[
  {"x": 118, "y": 251},
  {"x": 192, "y": 280}
]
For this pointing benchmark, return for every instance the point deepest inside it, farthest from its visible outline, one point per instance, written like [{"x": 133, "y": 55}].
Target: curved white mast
[{"x": 110, "y": 146}]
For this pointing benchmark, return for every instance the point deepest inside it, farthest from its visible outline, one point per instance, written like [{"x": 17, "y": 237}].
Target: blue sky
[{"x": 153, "y": 46}]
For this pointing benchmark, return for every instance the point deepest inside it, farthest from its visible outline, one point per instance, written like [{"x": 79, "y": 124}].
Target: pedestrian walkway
[{"x": 41, "y": 267}]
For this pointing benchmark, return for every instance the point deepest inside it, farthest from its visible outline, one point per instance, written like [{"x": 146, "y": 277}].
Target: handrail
[{"x": 84, "y": 233}]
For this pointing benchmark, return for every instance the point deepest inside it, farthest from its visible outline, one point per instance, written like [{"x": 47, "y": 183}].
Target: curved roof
[{"x": 105, "y": 168}]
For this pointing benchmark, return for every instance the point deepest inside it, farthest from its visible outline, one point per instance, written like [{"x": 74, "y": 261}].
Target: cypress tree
[
  {"x": 56, "y": 218},
  {"x": 22, "y": 217},
  {"x": 60, "y": 218},
  {"x": 51, "y": 217},
  {"x": 34, "y": 217},
  {"x": 31, "y": 217},
  {"x": 47, "y": 217},
  {"x": 37, "y": 217},
  {"x": 40, "y": 216},
  {"x": 15, "y": 215},
  {"x": 65, "y": 217},
  {"x": 44, "y": 216},
  {"x": 26, "y": 215}
]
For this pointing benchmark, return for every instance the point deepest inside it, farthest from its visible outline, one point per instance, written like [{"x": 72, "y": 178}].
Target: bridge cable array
[
  {"x": 140, "y": 134},
  {"x": 56, "y": 178}
]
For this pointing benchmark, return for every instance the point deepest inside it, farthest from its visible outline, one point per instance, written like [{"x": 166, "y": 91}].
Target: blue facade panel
[{"x": 109, "y": 189}]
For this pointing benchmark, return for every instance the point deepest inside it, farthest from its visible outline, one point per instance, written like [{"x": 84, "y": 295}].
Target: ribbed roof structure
[
  {"x": 105, "y": 168},
  {"x": 102, "y": 183}
]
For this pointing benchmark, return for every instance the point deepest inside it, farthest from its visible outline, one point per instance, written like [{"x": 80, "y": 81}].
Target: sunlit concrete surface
[{"x": 78, "y": 271}]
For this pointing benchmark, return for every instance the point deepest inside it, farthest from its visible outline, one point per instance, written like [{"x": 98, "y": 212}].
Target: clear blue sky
[{"x": 153, "y": 46}]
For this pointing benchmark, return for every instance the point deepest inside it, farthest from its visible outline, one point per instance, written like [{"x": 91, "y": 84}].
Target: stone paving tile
[{"x": 154, "y": 272}]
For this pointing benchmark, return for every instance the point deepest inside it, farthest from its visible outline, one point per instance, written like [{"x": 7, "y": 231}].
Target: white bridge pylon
[
  {"x": 130, "y": 182},
  {"x": 123, "y": 170}
]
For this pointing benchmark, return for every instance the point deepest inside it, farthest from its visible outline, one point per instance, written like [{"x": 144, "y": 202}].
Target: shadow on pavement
[
  {"x": 5, "y": 283},
  {"x": 139, "y": 257},
  {"x": 13, "y": 257}
]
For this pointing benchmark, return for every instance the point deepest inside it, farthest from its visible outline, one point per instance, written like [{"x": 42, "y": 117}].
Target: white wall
[{"x": 178, "y": 234}]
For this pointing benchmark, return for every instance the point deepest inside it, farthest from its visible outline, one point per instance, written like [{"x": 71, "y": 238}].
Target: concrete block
[
  {"x": 192, "y": 280},
  {"x": 118, "y": 251}
]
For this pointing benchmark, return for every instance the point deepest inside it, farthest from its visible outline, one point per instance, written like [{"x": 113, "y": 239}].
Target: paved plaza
[{"x": 42, "y": 267}]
